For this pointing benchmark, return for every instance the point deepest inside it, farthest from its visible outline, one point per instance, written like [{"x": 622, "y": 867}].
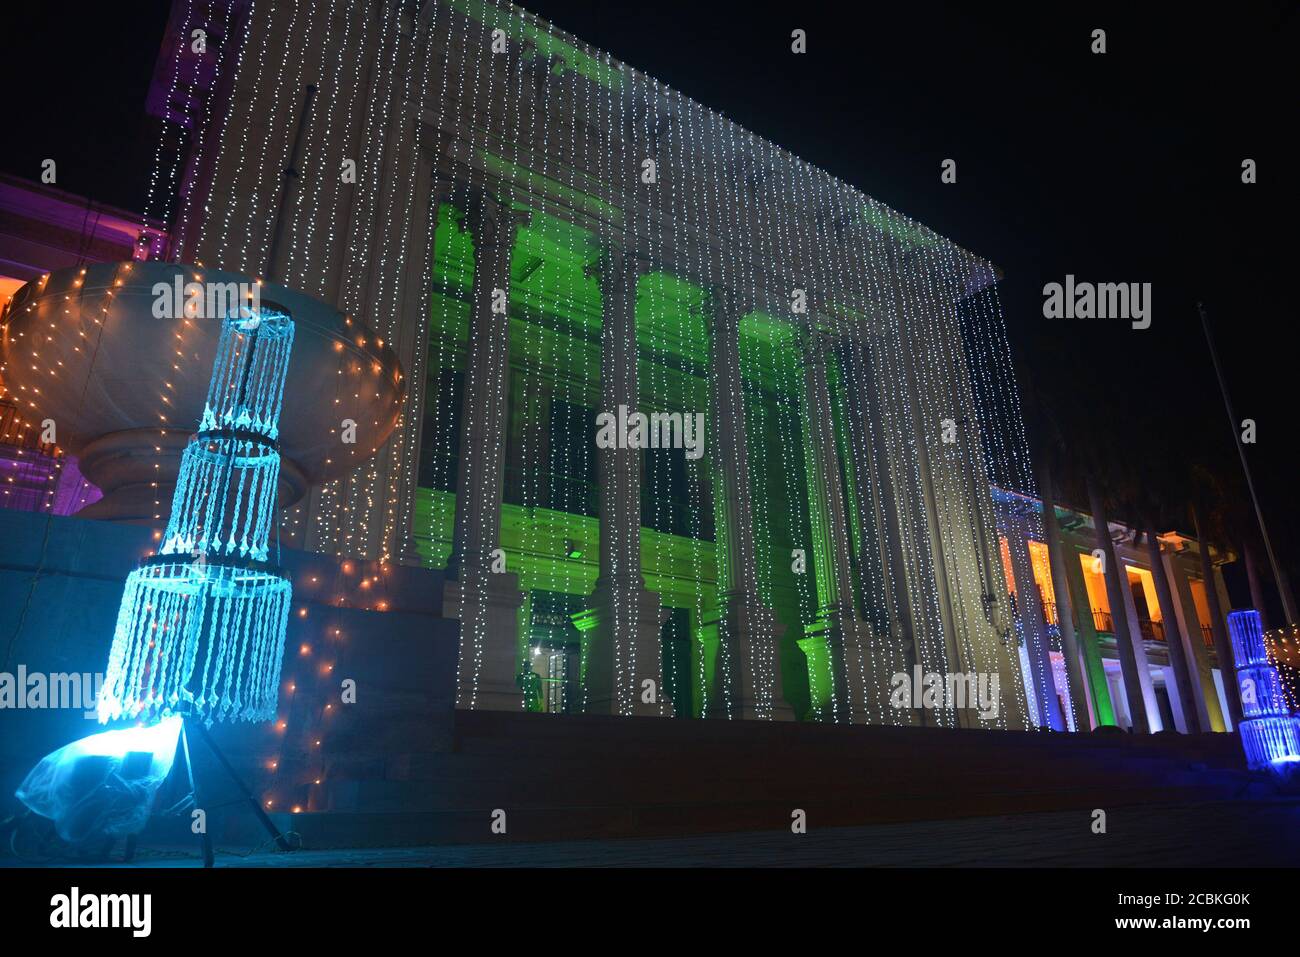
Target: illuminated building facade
[
  {"x": 544, "y": 236},
  {"x": 1184, "y": 693}
]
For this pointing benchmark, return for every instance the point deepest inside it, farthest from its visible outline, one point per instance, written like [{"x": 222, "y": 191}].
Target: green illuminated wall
[
  {"x": 542, "y": 44},
  {"x": 555, "y": 310}
]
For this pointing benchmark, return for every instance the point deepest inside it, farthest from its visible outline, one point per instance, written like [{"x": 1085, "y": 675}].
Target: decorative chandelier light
[
  {"x": 1268, "y": 731},
  {"x": 201, "y": 627}
]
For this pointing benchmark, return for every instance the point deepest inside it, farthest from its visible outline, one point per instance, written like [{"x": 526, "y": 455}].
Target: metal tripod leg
[
  {"x": 281, "y": 841},
  {"x": 204, "y": 837}
]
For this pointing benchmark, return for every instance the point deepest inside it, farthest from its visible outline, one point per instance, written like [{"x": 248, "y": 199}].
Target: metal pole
[
  {"x": 205, "y": 839},
  {"x": 290, "y": 176},
  {"x": 281, "y": 841},
  {"x": 1287, "y": 606}
]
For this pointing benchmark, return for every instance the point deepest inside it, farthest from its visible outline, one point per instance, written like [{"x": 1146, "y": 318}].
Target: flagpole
[{"x": 1288, "y": 606}]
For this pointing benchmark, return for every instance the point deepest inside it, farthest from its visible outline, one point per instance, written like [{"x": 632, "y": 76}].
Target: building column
[
  {"x": 431, "y": 192},
  {"x": 837, "y": 620},
  {"x": 480, "y": 590},
  {"x": 1204, "y": 693},
  {"x": 1129, "y": 610},
  {"x": 1035, "y": 623},
  {"x": 749, "y": 658},
  {"x": 878, "y": 512},
  {"x": 1216, "y": 599},
  {"x": 1138, "y": 690},
  {"x": 1064, "y": 604},
  {"x": 1216, "y": 593},
  {"x": 929, "y": 522},
  {"x": 1090, "y": 647},
  {"x": 1185, "y": 683},
  {"x": 623, "y": 649}
]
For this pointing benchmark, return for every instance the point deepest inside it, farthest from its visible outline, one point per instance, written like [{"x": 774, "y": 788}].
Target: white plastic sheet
[{"x": 104, "y": 784}]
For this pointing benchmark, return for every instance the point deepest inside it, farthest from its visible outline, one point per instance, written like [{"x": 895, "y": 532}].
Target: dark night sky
[{"x": 1117, "y": 168}]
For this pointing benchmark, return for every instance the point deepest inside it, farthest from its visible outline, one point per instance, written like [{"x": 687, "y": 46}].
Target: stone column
[
  {"x": 1035, "y": 623},
  {"x": 480, "y": 591},
  {"x": 930, "y": 519},
  {"x": 1218, "y": 624},
  {"x": 623, "y": 651},
  {"x": 878, "y": 512},
  {"x": 1204, "y": 693},
  {"x": 837, "y": 620},
  {"x": 413, "y": 351},
  {"x": 1064, "y": 604},
  {"x": 1186, "y": 683},
  {"x": 1123, "y": 615},
  {"x": 748, "y": 631},
  {"x": 1099, "y": 689},
  {"x": 1129, "y": 610},
  {"x": 1216, "y": 594}
]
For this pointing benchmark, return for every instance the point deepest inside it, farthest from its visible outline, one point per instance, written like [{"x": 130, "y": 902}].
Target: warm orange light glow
[
  {"x": 1043, "y": 578},
  {"x": 1095, "y": 582},
  {"x": 1144, "y": 577},
  {"x": 1007, "y": 569}
]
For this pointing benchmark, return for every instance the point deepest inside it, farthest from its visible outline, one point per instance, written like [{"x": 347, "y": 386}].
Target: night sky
[{"x": 1123, "y": 167}]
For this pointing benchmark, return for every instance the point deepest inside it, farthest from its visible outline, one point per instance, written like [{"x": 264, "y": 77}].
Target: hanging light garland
[
  {"x": 1282, "y": 647},
  {"x": 780, "y": 224}
]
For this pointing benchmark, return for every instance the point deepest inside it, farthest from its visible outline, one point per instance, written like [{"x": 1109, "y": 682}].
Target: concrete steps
[{"x": 562, "y": 777}]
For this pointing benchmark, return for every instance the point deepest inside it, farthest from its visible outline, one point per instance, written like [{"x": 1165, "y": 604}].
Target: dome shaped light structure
[
  {"x": 201, "y": 627},
  {"x": 84, "y": 348}
]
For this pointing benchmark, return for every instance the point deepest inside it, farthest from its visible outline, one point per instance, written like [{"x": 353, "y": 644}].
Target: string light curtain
[{"x": 497, "y": 100}]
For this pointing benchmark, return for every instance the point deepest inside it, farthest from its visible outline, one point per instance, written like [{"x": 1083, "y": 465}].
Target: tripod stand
[{"x": 196, "y": 796}]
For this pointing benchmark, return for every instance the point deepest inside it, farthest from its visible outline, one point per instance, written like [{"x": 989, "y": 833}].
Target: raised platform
[
  {"x": 565, "y": 778},
  {"x": 400, "y": 768},
  {"x": 1249, "y": 834}
]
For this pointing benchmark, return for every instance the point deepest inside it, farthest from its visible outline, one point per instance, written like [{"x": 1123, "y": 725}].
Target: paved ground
[{"x": 1247, "y": 834}]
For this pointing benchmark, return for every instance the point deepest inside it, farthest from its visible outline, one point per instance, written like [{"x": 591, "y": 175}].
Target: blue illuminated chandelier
[
  {"x": 201, "y": 627},
  {"x": 1268, "y": 731}
]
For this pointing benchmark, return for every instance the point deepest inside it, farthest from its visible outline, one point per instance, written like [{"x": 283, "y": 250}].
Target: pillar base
[
  {"x": 843, "y": 633},
  {"x": 749, "y": 630},
  {"x": 487, "y": 606},
  {"x": 632, "y": 612}
]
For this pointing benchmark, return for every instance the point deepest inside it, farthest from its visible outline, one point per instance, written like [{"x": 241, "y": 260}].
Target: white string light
[{"x": 887, "y": 294}]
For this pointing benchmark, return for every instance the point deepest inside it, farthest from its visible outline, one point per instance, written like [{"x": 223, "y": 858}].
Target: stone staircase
[{"x": 562, "y": 777}]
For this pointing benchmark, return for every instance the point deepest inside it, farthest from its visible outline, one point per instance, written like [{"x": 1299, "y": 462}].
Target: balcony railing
[
  {"x": 1151, "y": 630},
  {"x": 1049, "y": 612},
  {"x": 1104, "y": 621}
]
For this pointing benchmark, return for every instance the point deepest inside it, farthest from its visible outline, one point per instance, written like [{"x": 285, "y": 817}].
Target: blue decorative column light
[
  {"x": 200, "y": 631},
  {"x": 1268, "y": 730}
]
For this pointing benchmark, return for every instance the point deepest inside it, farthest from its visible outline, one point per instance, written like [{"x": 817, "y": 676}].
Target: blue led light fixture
[
  {"x": 201, "y": 627},
  {"x": 1268, "y": 730}
]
